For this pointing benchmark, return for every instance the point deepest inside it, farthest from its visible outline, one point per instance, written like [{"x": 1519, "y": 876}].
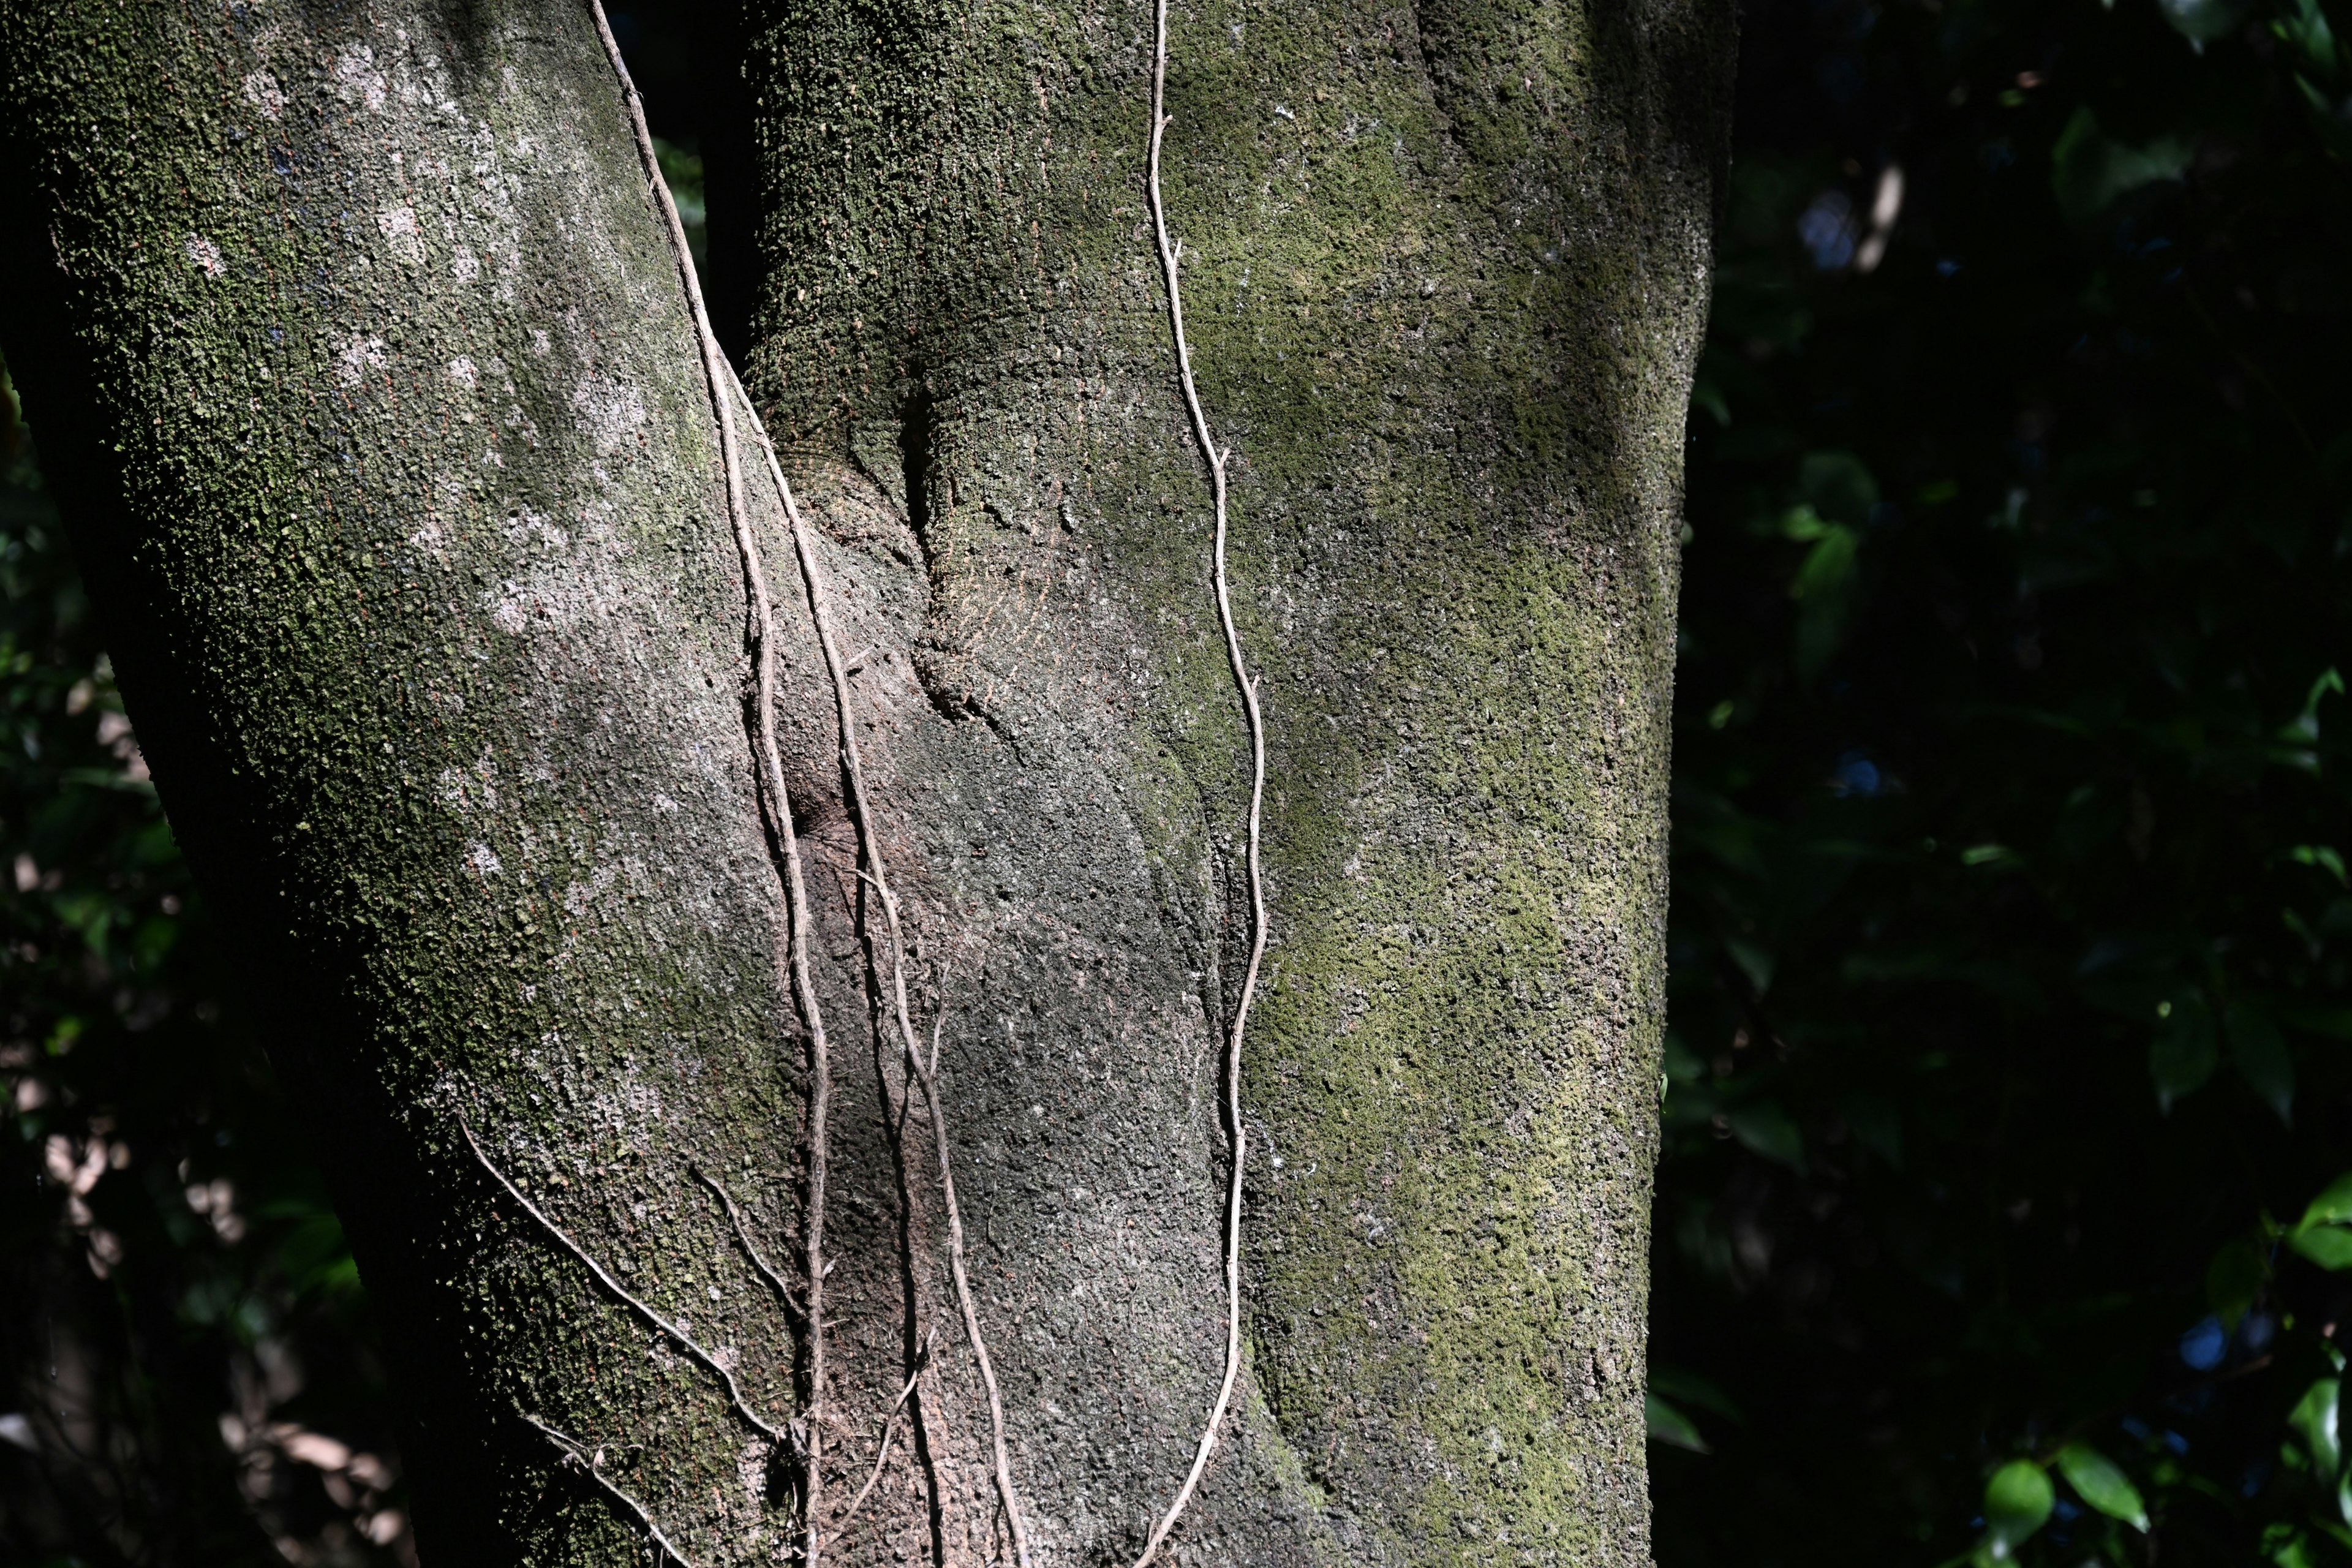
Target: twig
[
  {"x": 578, "y": 1454},
  {"x": 674, "y": 1331},
  {"x": 744, "y": 1235},
  {"x": 925, "y": 1075},
  {"x": 869, "y": 842},
  {"x": 889, "y": 1426},
  {"x": 1216, "y": 460},
  {"x": 718, "y": 373}
]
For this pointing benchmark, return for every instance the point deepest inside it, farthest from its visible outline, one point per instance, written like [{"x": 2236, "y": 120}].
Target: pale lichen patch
[
  {"x": 611, "y": 411},
  {"x": 262, "y": 91},
  {"x": 356, "y": 78},
  {"x": 358, "y": 355},
  {"x": 401, "y": 233}
]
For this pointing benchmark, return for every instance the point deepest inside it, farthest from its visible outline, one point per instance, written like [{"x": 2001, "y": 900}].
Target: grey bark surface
[{"x": 376, "y": 406}]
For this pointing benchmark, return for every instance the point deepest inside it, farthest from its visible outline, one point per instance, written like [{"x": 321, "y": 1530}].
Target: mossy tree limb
[{"x": 363, "y": 364}]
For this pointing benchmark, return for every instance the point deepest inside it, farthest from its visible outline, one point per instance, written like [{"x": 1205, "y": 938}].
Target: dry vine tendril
[
  {"x": 874, "y": 873},
  {"x": 1216, "y": 460}
]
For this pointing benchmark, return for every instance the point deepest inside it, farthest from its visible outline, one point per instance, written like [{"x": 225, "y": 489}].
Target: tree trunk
[{"x": 360, "y": 352}]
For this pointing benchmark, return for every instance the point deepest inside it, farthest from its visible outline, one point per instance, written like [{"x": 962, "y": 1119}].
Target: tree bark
[{"x": 359, "y": 348}]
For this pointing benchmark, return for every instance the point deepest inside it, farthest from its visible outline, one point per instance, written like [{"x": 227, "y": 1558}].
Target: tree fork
[{"x": 363, "y": 368}]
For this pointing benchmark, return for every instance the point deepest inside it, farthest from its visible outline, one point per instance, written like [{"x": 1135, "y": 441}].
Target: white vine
[{"x": 1216, "y": 460}]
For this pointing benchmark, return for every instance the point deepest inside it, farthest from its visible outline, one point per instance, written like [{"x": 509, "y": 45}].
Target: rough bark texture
[{"x": 358, "y": 346}]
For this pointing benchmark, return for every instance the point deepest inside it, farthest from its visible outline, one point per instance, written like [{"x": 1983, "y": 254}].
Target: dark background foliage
[
  {"x": 2011, "y": 1028},
  {"x": 2009, "y": 923}
]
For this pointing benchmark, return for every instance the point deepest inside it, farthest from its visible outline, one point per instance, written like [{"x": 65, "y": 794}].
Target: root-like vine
[
  {"x": 744, "y": 1235},
  {"x": 876, "y": 874},
  {"x": 889, "y": 1426},
  {"x": 677, "y": 1332},
  {"x": 1169, "y": 253},
  {"x": 927, "y": 1074},
  {"x": 717, "y": 373},
  {"x": 578, "y": 1452}
]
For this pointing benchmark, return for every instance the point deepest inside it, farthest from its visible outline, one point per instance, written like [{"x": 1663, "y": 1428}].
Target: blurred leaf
[
  {"x": 2330, "y": 1246},
  {"x": 2289, "y": 1547},
  {"x": 1837, "y": 486},
  {"x": 1801, "y": 524},
  {"x": 2323, "y": 1235},
  {"x": 1766, "y": 1128},
  {"x": 2333, "y": 1205},
  {"x": 2017, "y": 1502},
  {"x": 2233, "y": 1279},
  {"x": 2305, "y": 726},
  {"x": 2202, "y": 21},
  {"x": 1824, "y": 589},
  {"x": 2100, "y": 1482},
  {"x": 2313, "y": 1420},
  {"x": 1680, "y": 1383},
  {"x": 2089, "y": 172},
  {"x": 1669, "y": 1426},
  {"x": 1680, "y": 1063},
  {"x": 2262, "y": 1059},
  {"x": 2335, "y": 1022},
  {"x": 2184, "y": 1053},
  {"x": 1754, "y": 962},
  {"x": 2305, "y": 29},
  {"x": 2322, "y": 856}
]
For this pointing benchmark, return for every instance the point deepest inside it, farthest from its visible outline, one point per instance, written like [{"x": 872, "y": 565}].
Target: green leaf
[
  {"x": 2332, "y": 1207},
  {"x": 2233, "y": 1279},
  {"x": 2305, "y": 27},
  {"x": 2202, "y": 21},
  {"x": 2305, "y": 726},
  {"x": 2260, "y": 1055},
  {"x": 2090, "y": 172},
  {"x": 2291, "y": 1550},
  {"x": 1802, "y": 523},
  {"x": 1679, "y": 1383},
  {"x": 1824, "y": 591},
  {"x": 2313, "y": 1420},
  {"x": 1754, "y": 962},
  {"x": 2185, "y": 1051},
  {"x": 2333, "y": 1021},
  {"x": 1669, "y": 1426},
  {"x": 2328, "y": 1245},
  {"x": 1681, "y": 1063},
  {"x": 1767, "y": 1129},
  {"x": 1838, "y": 486},
  {"x": 2017, "y": 1502},
  {"x": 2323, "y": 855},
  {"x": 2101, "y": 1482}
]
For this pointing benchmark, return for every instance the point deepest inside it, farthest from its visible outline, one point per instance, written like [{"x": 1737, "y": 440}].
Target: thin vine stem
[
  {"x": 674, "y": 1331},
  {"x": 577, "y": 1452},
  {"x": 744, "y": 1235},
  {"x": 889, "y": 1426},
  {"x": 717, "y": 373},
  {"x": 926, "y": 1074},
  {"x": 875, "y": 873},
  {"x": 1216, "y": 460}
]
